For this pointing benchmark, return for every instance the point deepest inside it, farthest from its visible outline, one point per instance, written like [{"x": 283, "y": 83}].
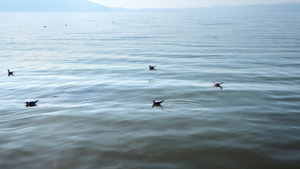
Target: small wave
[{"x": 181, "y": 103}]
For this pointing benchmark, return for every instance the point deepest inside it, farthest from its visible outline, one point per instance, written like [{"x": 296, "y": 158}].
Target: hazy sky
[{"x": 138, "y": 4}]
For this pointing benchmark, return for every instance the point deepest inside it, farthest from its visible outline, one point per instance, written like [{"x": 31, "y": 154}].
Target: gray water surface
[{"x": 90, "y": 73}]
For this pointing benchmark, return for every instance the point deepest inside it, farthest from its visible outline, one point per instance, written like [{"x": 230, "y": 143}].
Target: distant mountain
[
  {"x": 51, "y": 6},
  {"x": 88, "y": 6}
]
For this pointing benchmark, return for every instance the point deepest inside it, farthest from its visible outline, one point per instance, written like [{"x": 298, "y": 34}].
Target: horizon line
[{"x": 211, "y": 6}]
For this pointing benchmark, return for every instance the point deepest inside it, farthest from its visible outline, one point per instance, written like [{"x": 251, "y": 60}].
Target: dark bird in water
[
  {"x": 157, "y": 103},
  {"x": 31, "y": 103},
  {"x": 216, "y": 84},
  {"x": 10, "y": 73},
  {"x": 152, "y": 67}
]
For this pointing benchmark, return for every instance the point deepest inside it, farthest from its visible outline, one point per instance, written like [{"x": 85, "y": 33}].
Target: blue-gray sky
[{"x": 140, "y": 4}]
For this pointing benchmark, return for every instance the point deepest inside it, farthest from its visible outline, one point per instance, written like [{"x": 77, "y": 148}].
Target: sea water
[{"x": 90, "y": 73}]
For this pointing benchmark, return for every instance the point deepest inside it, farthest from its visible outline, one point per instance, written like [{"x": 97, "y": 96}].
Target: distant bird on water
[
  {"x": 216, "y": 84},
  {"x": 10, "y": 73},
  {"x": 157, "y": 103},
  {"x": 152, "y": 67},
  {"x": 31, "y": 103}
]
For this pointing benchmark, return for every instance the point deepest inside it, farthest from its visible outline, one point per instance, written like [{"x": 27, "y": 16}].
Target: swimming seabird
[
  {"x": 31, "y": 103},
  {"x": 10, "y": 72},
  {"x": 216, "y": 84},
  {"x": 152, "y": 67},
  {"x": 157, "y": 103}
]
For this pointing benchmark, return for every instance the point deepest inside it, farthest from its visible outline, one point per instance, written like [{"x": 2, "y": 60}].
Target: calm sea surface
[{"x": 90, "y": 74}]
